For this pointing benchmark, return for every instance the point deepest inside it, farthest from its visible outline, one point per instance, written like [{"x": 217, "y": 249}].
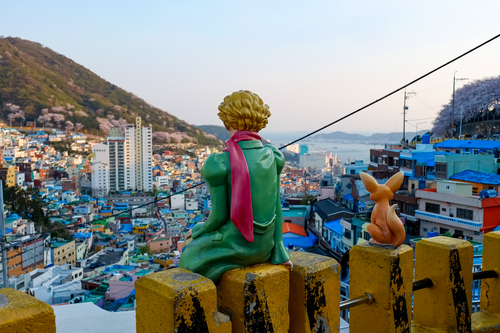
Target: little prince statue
[{"x": 245, "y": 225}]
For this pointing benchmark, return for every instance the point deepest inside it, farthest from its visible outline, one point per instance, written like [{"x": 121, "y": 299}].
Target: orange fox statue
[{"x": 385, "y": 227}]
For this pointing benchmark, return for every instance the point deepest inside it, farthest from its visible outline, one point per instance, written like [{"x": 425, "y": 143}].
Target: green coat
[{"x": 217, "y": 245}]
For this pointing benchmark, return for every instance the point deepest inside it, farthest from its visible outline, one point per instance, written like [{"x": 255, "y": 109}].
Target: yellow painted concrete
[
  {"x": 434, "y": 308},
  {"x": 25, "y": 313},
  {"x": 485, "y": 322},
  {"x": 490, "y": 288},
  {"x": 370, "y": 272},
  {"x": 315, "y": 292},
  {"x": 255, "y": 298},
  {"x": 177, "y": 300},
  {"x": 488, "y": 320}
]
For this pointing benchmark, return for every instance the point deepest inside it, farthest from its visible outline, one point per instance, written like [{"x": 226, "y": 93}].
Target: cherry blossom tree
[
  {"x": 479, "y": 99},
  {"x": 58, "y": 118},
  {"x": 16, "y": 115},
  {"x": 78, "y": 127},
  {"x": 161, "y": 137},
  {"x": 69, "y": 126}
]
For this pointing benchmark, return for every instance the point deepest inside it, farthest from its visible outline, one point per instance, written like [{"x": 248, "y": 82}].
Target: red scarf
[{"x": 241, "y": 196}]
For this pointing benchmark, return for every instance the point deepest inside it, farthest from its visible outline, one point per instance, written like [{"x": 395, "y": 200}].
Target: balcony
[{"x": 447, "y": 219}]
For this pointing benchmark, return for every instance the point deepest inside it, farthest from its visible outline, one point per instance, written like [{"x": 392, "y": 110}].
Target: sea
[{"x": 345, "y": 151}]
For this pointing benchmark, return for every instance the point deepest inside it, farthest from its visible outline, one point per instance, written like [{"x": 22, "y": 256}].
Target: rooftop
[{"x": 477, "y": 177}]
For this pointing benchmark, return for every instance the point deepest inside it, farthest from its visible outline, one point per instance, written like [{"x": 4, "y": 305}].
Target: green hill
[
  {"x": 37, "y": 83},
  {"x": 219, "y": 131}
]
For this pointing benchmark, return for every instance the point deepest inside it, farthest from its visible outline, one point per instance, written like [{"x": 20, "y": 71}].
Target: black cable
[
  {"x": 393, "y": 92},
  {"x": 322, "y": 128}
]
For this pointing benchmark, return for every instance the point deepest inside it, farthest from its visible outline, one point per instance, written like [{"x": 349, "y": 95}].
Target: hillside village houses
[{"x": 116, "y": 221}]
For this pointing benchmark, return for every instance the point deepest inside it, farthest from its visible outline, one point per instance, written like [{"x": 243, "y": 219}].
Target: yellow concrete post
[
  {"x": 20, "y": 312},
  {"x": 314, "y": 293},
  {"x": 177, "y": 300},
  {"x": 488, "y": 319},
  {"x": 446, "y": 306},
  {"x": 387, "y": 275},
  {"x": 255, "y": 298}
]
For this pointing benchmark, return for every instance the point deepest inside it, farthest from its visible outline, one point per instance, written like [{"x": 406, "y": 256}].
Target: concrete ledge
[
  {"x": 447, "y": 305},
  {"x": 314, "y": 293},
  {"x": 180, "y": 301},
  {"x": 20, "y": 312},
  {"x": 387, "y": 274},
  {"x": 255, "y": 298}
]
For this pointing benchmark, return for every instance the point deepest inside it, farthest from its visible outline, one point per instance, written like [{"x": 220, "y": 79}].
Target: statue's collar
[{"x": 249, "y": 144}]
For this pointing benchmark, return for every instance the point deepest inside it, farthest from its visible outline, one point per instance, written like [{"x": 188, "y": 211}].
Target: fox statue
[{"x": 385, "y": 227}]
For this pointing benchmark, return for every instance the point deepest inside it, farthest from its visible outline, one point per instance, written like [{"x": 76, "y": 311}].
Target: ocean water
[{"x": 345, "y": 151}]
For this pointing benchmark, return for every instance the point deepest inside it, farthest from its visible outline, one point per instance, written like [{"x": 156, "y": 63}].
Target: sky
[{"x": 310, "y": 61}]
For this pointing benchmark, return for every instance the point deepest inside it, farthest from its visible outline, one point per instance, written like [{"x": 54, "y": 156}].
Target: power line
[
  {"x": 393, "y": 92},
  {"x": 324, "y": 127}
]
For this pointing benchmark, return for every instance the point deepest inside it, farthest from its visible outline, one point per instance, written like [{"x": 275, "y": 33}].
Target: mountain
[
  {"x": 219, "y": 131},
  {"x": 39, "y": 84},
  {"x": 374, "y": 138}
]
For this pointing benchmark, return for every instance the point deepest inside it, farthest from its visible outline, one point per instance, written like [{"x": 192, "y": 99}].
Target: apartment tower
[{"x": 130, "y": 158}]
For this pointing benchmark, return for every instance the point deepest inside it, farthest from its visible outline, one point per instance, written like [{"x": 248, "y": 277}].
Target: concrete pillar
[
  {"x": 488, "y": 319},
  {"x": 314, "y": 294},
  {"x": 180, "y": 301},
  {"x": 387, "y": 275},
  {"x": 446, "y": 306},
  {"x": 20, "y": 312},
  {"x": 255, "y": 298}
]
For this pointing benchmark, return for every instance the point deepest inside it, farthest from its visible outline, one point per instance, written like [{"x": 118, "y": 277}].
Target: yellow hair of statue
[{"x": 244, "y": 111}]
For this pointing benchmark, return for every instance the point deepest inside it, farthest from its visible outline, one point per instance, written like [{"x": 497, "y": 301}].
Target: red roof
[{"x": 293, "y": 228}]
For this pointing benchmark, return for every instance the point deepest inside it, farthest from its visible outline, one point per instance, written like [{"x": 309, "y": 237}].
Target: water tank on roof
[
  {"x": 426, "y": 139},
  {"x": 484, "y": 194}
]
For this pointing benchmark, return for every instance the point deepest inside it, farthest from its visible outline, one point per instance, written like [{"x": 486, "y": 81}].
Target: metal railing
[{"x": 348, "y": 303}]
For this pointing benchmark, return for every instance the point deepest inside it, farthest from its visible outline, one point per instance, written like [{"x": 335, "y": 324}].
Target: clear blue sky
[{"x": 311, "y": 61}]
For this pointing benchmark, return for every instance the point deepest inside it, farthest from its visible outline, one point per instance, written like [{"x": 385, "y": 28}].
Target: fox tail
[{"x": 396, "y": 226}]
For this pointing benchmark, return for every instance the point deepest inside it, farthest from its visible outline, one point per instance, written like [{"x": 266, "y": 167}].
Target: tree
[
  {"x": 474, "y": 100},
  {"x": 78, "y": 127},
  {"x": 145, "y": 250},
  {"x": 69, "y": 126},
  {"x": 27, "y": 203}
]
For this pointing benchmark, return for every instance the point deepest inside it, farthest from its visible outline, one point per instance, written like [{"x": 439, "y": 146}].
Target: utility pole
[
  {"x": 407, "y": 95},
  {"x": 3, "y": 241},
  {"x": 453, "y": 106}
]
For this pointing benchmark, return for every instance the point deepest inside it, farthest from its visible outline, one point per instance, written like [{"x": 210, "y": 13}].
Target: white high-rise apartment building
[
  {"x": 130, "y": 158},
  {"x": 100, "y": 179}
]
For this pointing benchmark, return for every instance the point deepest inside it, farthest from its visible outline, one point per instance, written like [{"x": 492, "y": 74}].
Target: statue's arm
[
  {"x": 279, "y": 254},
  {"x": 215, "y": 172}
]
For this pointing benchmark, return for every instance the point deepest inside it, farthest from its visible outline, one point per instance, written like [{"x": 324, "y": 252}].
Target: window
[
  {"x": 366, "y": 236},
  {"x": 432, "y": 208},
  {"x": 465, "y": 213},
  {"x": 443, "y": 209},
  {"x": 447, "y": 187},
  {"x": 425, "y": 229},
  {"x": 474, "y": 190},
  {"x": 347, "y": 233},
  {"x": 459, "y": 232},
  {"x": 443, "y": 231}
]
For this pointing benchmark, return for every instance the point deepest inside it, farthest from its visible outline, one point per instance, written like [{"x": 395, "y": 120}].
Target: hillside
[
  {"x": 39, "y": 84},
  {"x": 219, "y": 131},
  {"x": 374, "y": 138}
]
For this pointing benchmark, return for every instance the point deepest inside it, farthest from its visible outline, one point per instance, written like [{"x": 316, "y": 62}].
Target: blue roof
[
  {"x": 497, "y": 228},
  {"x": 476, "y": 144},
  {"x": 335, "y": 226},
  {"x": 477, "y": 177},
  {"x": 124, "y": 228},
  {"x": 8, "y": 230},
  {"x": 348, "y": 197},
  {"x": 430, "y": 163},
  {"x": 82, "y": 235}
]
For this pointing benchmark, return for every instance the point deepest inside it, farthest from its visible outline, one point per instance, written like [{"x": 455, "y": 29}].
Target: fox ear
[
  {"x": 370, "y": 182},
  {"x": 395, "y": 181}
]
